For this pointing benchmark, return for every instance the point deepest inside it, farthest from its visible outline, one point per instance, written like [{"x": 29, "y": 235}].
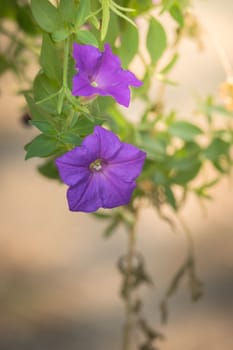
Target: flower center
[
  {"x": 94, "y": 84},
  {"x": 96, "y": 165}
]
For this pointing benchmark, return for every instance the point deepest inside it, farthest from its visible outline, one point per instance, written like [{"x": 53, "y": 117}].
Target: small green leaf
[
  {"x": 177, "y": 14},
  {"x": 41, "y": 146},
  {"x": 129, "y": 44},
  {"x": 71, "y": 138},
  {"x": 68, "y": 10},
  {"x": 170, "y": 65},
  {"x": 37, "y": 113},
  {"x": 86, "y": 38},
  {"x": 105, "y": 18},
  {"x": 46, "y": 15},
  {"x": 49, "y": 170},
  {"x": 44, "y": 88},
  {"x": 216, "y": 149},
  {"x": 184, "y": 130},
  {"x": 49, "y": 59},
  {"x": 170, "y": 197},
  {"x": 156, "y": 40},
  {"x": 60, "y": 34},
  {"x": 83, "y": 12},
  {"x": 44, "y": 126}
]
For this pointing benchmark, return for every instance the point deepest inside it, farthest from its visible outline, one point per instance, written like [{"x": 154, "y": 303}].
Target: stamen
[
  {"x": 94, "y": 84},
  {"x": 96, "y": 165}
]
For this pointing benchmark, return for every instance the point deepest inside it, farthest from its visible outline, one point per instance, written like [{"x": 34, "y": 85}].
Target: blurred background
[{"x": 59, "y": 286}]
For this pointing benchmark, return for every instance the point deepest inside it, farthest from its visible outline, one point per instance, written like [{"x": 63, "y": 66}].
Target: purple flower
[
  {"x": 101, "y": 172},
  {"x": 101, "y": 73}
]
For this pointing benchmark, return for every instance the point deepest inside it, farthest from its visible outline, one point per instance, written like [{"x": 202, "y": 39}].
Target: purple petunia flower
[
  {"x": 101, "y": 73},
  {"x": 101, "y": 172}
]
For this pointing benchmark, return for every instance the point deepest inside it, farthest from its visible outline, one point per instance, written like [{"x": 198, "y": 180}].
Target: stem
[
  {"x": 64, "y": 87},
  {"x": 128, "y": 295}
]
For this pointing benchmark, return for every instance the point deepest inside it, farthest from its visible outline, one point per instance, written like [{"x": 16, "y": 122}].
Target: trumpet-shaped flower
[
  {"x": 101, "y": 73},
  {"x": 101, "y": 172}
]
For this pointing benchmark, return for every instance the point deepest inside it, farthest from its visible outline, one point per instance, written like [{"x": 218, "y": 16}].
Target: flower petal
[
  {"x": 129, "y": 78},
  {"x": 108, "y": 69},
  {"x": 121, "y": 93},
  {"x": 113, "y": 191},
  {"x": 127, "y": 164},
  {"x": 85, "y": 196},
  {"x": 73, "y": 166},
  {"x": 109, "y": 143},
  {"x": 87, "y": 58},
  {"x": 82, "y": 87}
]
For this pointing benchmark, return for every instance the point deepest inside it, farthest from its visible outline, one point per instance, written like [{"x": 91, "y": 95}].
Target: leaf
[
  {"x": 111, "y": 227},
  {"x": 47, "y": 90},
  {"x": 49, "y": 170},
  {"x": 41, "y": 146},
  {"x": 105, "y": 18},
  {"x": 216, "y": 149},
  {"x": 183, "y": 177},
  {"x": 184, "y": 130},
  {"x": 60, "y": 34},
  {"x": 71, "y": 138},
  {"x": 170, "y": 197},
  {"x": 156, "y": 40},
  {"x": 36, "y": 112},
  {"x": 81, "y": 125},
  {"x": 68, "y": 10},
  {"x": 176, "y": 13},
  {"x": 46, "y": 15},
  {"x": 86, "y": 38},
  {"x": 49, "y": 59},
  {"x": 44, "y": 126},
  {"x": 83, "y": 12},
  {"x": 129, "y": 44},
  {"x": 170, "y": 64}
]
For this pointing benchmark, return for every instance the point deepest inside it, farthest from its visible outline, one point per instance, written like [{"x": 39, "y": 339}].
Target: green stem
[
  {"x": 64, "y": 75},
  {"x": 128, "y": 295}
]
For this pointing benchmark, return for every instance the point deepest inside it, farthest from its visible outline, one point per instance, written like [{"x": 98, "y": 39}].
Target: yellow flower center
[
  {"x": 94, "y": 84},
  {"x": 96, "y": 165}
]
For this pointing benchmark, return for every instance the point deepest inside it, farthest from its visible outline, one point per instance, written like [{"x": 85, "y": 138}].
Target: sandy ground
[{"x": 58, "y": 281}]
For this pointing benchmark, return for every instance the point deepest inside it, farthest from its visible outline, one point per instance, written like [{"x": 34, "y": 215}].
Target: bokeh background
[{"x": 59, "y": 286}]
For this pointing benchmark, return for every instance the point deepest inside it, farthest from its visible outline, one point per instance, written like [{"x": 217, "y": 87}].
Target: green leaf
[
  {"x": 184, "y": 130},
  {"x": 170, "y": 197},
  {"x": 71, "y": 138},
  {"x": 113, "y": 29},
  {"x": 105, "y": 18},
  {"x": 37, "y": 113},
  {"x": 46, "y": 15},
  {"x": 176, "y": 13},
  {"x": 83, "y": 12},
  {"x": 129, "y": 44},
  {"x": 41, "y": 146},
  {"x": 170, "y": 65},
  {"x": 155, "y": 147},
  {"x": 81, "y": 125},
  {"x": 156, "y": 40},
  {"x": 216, "y": 149},
  {"x": 49, "y": 59},
  {"x": 49, "y": 170},
  {"x": 183, "y": 177},
  {"x": 60, "y": 34},
  {"x": 68, "y": 10},
  {"x": 44, "y": 88},
  {"x": 44, "y": 126},
  {"x": 86, "y": 38}
]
